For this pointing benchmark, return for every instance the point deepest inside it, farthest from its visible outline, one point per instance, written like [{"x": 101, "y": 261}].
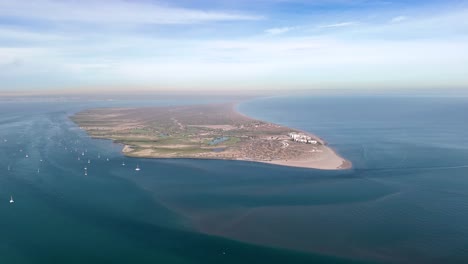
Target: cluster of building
[{"x": 298, "y": 137}]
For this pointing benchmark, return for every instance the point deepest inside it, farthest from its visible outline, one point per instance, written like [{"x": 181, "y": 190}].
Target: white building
[{"x": 299, "y": 137}]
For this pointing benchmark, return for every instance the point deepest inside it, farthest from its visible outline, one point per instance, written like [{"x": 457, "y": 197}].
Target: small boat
[
  {"x": 9, "y": 167},
  {"x": 86, "y": 173},
  {"x": 27, "y": 156},
  {"x": 86, "y": 168},
  {"x": 107, "y": 159},
  {"x": 89, "y": 161},
  {"x": 82, "y": 153},
  {"x": 123, "y": 163},
  {"x": 137, "y": 168},
  {"x": 11, "y": 199}
]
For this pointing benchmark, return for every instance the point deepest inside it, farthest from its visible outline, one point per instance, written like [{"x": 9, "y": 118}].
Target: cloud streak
[
  {"x": 339, "y": 25},
  {"x": 279, "y": 30},
  {"x": 398, "y": 19},
  {"x": 189, "y": 47},
  {"x": 114, "y": 12}
]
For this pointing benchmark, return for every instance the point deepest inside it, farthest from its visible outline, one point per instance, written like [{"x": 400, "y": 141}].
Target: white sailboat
[
  {"x": 11, "y": 199},
  {"x": 89, "y": 161},
  {"x": 137, "y": 168},
  {"x": 123, "y": 163}
]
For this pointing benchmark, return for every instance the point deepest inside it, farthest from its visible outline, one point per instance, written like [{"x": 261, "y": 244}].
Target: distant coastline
[{"x": 188, "y": 132}]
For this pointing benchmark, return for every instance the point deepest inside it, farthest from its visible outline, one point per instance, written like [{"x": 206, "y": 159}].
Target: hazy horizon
[
  {"x": 223, "y": 95},
  {"x": 73, "y": 47}
]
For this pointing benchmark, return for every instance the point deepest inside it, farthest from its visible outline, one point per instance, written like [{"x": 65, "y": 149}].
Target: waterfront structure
[{"x": 302, "y": 138}]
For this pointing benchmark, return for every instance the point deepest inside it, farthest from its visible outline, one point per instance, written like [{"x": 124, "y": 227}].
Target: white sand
[{"x": 326, "y": 160}]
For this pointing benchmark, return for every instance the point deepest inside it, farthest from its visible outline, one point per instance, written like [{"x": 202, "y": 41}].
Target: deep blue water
[{"x": 404, "y": 201}]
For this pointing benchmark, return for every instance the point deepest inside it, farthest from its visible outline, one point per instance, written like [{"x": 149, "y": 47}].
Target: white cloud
[
  {"x": 257, "y": 62},
  {"x": 11, "y": 33},
  {"x": 279, "y": 30},
  {"x": 118, "y": 11},
  {"x": 342, "y": 24},
  {"x": 11, "y": 54},
  {"x": 398, "y": 19},
  {"x": 382, "y": 52}
]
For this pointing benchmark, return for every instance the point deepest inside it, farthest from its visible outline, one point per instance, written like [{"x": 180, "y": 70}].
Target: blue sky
[{"x": 225, "y": 45}]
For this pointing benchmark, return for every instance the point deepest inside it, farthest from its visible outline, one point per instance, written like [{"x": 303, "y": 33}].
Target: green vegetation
[
  {"x": 232, "y": 141},
  {"x": 202, "y": 131}
]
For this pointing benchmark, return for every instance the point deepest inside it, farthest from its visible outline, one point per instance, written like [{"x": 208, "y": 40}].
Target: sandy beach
[{"x": 328, "y": 160}]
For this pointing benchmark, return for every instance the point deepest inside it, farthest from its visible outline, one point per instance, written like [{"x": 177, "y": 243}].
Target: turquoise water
[{"x": 404, "y": 201}]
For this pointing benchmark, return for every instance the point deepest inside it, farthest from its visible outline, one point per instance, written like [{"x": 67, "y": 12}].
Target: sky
[{"x": 78, "y": 45}]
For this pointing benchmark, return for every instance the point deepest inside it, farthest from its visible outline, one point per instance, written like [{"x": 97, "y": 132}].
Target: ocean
[{"x": 404, "y": 201}]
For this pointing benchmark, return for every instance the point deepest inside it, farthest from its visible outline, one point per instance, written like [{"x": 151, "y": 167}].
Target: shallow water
[
  {"x": 405, "y": 200},
  {"x": 109, "y": 216}
]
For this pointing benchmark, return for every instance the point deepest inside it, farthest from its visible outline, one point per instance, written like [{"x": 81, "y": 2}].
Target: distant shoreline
[{"x": 258, "y": 147}]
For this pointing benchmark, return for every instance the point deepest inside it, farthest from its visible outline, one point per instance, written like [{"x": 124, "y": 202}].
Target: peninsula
[{"x": 214, "y": 131}]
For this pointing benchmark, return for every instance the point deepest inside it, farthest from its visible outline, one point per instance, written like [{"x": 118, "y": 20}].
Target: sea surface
[{"x": 404, "y": 201}]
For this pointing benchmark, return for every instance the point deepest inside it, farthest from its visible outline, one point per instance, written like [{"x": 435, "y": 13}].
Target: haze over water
[{"x": 405, "y": 200}]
